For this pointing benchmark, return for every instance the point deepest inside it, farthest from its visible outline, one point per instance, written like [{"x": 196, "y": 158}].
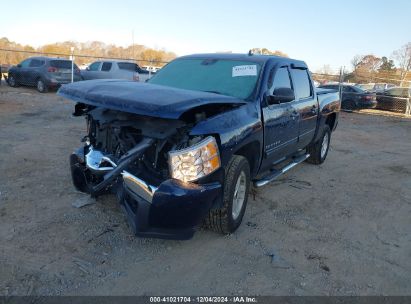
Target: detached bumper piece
[{"x": 173, "y": 210}]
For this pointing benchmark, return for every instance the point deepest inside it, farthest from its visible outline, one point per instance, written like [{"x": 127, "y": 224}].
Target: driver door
[
  {"x": 92, "y": 72},
  {"x": 21, "y": 73},
  {"x": 280, "y": 122}
]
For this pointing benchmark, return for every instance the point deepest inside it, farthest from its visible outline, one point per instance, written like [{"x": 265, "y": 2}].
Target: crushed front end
[{"x": 165, "y": 180}]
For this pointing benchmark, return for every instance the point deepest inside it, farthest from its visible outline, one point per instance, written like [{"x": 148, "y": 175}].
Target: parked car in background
[
  {"x": 152, "y": 69},
  {"x": 43, "y": 73},
  {"x": 84, "y": 66},
  {"x": 115, "y": 69},
  {"x": 375, "y": 87},
  {"x": 353, "y": 97},
  {"x": 316, "y": 83},
  {"x": 395, "y": 99}
]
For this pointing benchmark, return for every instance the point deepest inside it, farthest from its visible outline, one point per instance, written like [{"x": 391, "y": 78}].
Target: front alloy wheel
[
  {"x": 237, "y": 184},
  {"x": 12, "y": 81},
  {"x": 239, "y": 195}
]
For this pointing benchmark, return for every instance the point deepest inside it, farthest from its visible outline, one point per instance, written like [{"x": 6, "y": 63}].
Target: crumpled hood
[{"x": 141, "y": 98}]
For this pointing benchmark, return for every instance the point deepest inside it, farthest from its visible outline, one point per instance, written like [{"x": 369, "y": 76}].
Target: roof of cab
[{"x": 246, "y": 57}]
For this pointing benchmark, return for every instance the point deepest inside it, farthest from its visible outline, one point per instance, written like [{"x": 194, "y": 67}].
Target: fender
[{"x": 234, "y": 129}]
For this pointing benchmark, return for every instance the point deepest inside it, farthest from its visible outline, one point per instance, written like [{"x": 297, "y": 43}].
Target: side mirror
[
  {"x": 87, "y": 69},
  {"x": 281, "y": 95},
  {"x": 19, "y": 65}
]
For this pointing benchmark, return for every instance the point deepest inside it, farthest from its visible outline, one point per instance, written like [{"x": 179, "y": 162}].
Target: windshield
[{"x": 221, "y": 76}]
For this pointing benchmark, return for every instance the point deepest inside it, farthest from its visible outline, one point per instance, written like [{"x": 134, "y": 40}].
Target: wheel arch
[
  {"x": 331, "y": 121},
  {"x": 251, "y": 151}
]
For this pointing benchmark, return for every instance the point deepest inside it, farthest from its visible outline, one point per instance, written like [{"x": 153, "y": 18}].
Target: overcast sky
[{"x": 319, "y": 32}]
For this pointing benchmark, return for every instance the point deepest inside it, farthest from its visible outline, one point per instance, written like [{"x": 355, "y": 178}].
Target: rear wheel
[
  {"x": 350, "y": 105},
  {"x": 41, "y": 86},
  {"x": 237, "y": 184},
  {"x": 319, "y": 150}
]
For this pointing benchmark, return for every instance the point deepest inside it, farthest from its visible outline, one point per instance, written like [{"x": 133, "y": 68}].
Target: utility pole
[
  {"x": 72, "y": 63},
  {"x": 132, "y": 38},
  {"x": 341, "y": 80}
]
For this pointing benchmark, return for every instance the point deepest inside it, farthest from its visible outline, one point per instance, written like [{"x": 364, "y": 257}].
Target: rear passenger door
[
  {"x": 305, "y": 105},
  {"x": 33, "y": 71}
]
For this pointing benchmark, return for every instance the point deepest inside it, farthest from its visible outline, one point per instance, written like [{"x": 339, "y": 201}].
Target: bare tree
[
  {"x": 356, "y": 61},
  {"x": 403, "y": 58},
  {"x": 325, "y": 69},
  {"x": 265, "y": 51}
]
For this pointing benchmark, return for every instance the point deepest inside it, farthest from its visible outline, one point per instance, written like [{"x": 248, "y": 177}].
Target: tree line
[
  {"x": 95, "y": 49},
  {"x": 395, "y": 69}
]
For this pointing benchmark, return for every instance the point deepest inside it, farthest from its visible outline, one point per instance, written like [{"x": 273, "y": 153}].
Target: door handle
[
  {"x": 294, "y": 114},
  {"x": 314, "y": 109}
]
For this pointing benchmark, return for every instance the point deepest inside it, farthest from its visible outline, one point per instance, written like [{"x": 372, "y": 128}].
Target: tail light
[
  {"x": 368, "y": 97},
  {"x": 136, "y": 77},
  {"x": 52, "y": 70}
]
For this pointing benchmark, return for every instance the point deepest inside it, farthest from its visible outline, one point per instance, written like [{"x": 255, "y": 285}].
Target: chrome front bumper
[
  {"x": 138, "y": 186},
  {"x": 99, "y": 163}
]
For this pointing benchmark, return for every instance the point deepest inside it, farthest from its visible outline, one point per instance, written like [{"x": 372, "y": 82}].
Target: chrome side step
[{"x": 277, "y": 173}]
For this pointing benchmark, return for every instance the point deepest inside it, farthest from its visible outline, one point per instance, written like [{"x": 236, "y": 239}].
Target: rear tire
[
  {"x": 318, "y": 151},
  {"x": 237, "y": 184},
  {"x": 350, "y": 105},
  {"x": 41, "y": 86}
]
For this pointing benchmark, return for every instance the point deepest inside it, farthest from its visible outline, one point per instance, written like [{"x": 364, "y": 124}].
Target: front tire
[
  {"x": 41, "y": 86},
  {"x": 237, "y": 184},
  {"x": 12, "y": 81},
  {"x": 319, "y": 150}
]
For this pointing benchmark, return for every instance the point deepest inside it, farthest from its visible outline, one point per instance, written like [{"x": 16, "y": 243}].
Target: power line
[{"x": 77, "y": 55}]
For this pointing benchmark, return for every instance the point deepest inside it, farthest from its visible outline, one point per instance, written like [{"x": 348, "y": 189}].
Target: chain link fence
[
  {"x": 12, "y": 57},
  {"x": 83, "y": 62},
  {"x": 392, "y": 89}
]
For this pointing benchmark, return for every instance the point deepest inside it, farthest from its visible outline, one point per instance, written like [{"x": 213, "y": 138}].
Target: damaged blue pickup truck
[{"x": 183, "y": 149}]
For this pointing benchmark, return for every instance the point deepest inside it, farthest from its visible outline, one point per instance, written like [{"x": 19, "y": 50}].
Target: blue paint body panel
[{"x": 264, "y": 133}]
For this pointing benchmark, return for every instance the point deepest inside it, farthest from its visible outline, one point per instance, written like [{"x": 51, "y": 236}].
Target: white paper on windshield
[{"x": 244, "y": 70}]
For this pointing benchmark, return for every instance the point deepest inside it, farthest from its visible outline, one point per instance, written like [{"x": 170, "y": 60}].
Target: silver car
[{"x": 115, "y": 69}]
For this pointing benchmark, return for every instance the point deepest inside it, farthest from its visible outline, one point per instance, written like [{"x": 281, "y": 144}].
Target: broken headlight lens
[{"x": 194, "y": 162}]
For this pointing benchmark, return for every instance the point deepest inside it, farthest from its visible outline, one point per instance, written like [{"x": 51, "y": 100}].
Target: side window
[
  {"x": 35, "y": 63},
  {"x": 94, "y": 66},
  {"x": 281, "y": 80},
  {"x": 25, "y": 63},
  {"x": 302, "y": 85},
  {"x": 396, "y": 92},
  {"x": 348, "y": 89},
  {"x": 106, "y": 66}
]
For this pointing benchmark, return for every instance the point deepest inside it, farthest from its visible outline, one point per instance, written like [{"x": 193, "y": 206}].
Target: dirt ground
[{"x": 342, "y": 228}]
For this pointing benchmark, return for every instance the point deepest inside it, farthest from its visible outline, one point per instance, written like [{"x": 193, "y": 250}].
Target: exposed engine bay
[
  {"x": 112, "y": 135},
  {"x": 118, "y": 140}
]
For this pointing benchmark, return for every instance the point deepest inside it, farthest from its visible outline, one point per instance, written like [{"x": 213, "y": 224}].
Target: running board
[{"x": 277, "y": 173}]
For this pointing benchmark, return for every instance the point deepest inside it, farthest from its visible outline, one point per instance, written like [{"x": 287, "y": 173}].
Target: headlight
[{"x": 196, "y": 161}]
